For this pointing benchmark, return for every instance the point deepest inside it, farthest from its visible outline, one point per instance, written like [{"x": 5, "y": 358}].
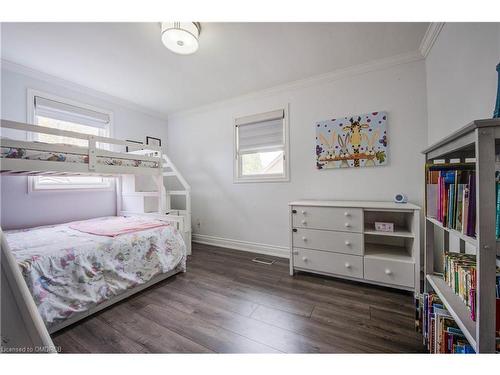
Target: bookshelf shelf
[
  {"x": 455, "y": 307},
  {"x": 478, "y": 141},
  {"x": 468, "y": 239}
]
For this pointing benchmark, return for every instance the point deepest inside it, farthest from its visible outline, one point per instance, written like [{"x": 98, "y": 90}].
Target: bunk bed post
[
  {"x": 22, "y": 328},
  {"x": 486, "y": 240},
  {"x": 92, "y": 154},
  {"x": 119, "y": 202}
]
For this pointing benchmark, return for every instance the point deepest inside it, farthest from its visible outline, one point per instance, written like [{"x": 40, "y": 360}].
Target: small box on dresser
[{"x": 338, "y": 238}]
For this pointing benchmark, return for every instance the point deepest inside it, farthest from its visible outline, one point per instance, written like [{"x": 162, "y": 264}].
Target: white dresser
[{"x": 338, "y": 238}]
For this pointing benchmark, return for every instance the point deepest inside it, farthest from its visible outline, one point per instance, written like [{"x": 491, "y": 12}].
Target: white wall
[
  {"x": 201, "y": 144},
  {"x": 461, "y": 76},
  {"x": 461, "y": 82},
  {"x": 20, "y": 209}
]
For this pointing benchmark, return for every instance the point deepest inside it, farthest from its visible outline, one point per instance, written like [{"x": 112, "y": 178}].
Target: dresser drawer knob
[
  {"x": 304, "y": 259},
  {"x": 304, "y": 222},
  {"x": 294, "y": 211},
  {"x": 347, "y": 213},
  {"x": 388, "y": 271},
  {"x": 304, "y": 212},
  {"x": 347, "y": 225},
  {"x": 347, "y": 265},
  {"x": 295, "y": 252},
  {"x": 304, "y": 238},
  {"x": 347, "y": 243}
]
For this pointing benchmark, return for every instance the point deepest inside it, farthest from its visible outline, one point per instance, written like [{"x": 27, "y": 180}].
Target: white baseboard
[{"x": 273, "y": 250}]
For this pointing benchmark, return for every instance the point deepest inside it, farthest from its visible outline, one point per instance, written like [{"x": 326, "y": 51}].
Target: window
[
  {"x": 58, "y": 113},
  {"x": 261, "y": 147}
]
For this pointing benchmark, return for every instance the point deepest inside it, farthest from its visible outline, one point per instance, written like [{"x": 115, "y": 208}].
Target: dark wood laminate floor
[{"x": 225, "y": 303}]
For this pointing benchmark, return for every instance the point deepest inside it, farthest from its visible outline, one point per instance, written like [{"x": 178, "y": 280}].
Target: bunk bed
[{"x": 54, "y": 276}]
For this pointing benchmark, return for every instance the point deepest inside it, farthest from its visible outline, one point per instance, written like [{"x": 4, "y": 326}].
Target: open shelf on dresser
[
  {"x": 398, "y": 231},
  {"x": 389, "y": 252}
]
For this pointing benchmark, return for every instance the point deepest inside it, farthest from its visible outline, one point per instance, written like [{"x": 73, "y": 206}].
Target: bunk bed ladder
[{"x": 170, "y": 170}]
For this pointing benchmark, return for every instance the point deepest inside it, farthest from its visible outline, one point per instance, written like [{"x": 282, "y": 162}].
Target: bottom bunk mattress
[{"x": 69, "y": 271}]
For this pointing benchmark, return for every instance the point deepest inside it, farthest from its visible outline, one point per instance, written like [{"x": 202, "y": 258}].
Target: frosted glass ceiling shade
[{"x": 180, "y": 37}]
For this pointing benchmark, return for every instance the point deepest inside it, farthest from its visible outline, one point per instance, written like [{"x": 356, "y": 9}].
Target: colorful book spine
[
  {"x": 451, "y": 199},
  {"x": 440, "y": 332},
  {"x": 497, "y": 207}
]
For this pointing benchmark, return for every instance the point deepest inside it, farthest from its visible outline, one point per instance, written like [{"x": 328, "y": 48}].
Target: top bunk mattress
[
  {"x": 67, "y": 157},
  {"x": 69, "y": 271}
]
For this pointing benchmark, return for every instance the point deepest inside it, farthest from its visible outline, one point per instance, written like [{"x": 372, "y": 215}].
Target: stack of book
[
  {"x": 451, "y": 199},
  {"x": 441, "y": 333},
  {"x": 460, "y": 275}
]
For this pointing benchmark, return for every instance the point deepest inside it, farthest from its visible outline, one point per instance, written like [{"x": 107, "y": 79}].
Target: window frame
[
  {"x": 285, "y": 177},
  {"x": 33, "y": 184}
]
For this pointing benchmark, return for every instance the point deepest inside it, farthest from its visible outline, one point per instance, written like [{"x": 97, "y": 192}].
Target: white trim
[
  {"x": 430, "y": 37},
  {"x": 40, "y": 75},
  {"x": 321, "y": 79},
  {"x": 253, "y": 247}
]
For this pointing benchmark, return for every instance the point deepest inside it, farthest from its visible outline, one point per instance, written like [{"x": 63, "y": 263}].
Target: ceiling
[{"x": 128, "y": 60}]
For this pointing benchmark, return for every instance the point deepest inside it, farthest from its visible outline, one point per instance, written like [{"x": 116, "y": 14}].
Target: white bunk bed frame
[{"x": 23, "y": 328}]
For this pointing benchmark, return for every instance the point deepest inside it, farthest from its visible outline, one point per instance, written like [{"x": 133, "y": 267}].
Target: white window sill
[{"x": 253, "y": 179}]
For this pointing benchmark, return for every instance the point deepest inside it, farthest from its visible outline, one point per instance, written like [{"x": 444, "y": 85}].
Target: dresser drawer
[
  {"x": 390, "y": 271},
  {"x": 324, "y": 261},
  {"x": 330, "y": 218},
  {"x": 338, "y": 242}
]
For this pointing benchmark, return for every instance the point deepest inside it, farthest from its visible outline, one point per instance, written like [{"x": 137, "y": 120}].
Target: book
[
  {"x": 459, "y": 204},
  {"x": 497, "y": 226},
  {"x": 440, "y": 332},
  {"x": 465, "y": 209},
  {"x": 471, "y": 216},
  {"x": 451, "y": 197}
]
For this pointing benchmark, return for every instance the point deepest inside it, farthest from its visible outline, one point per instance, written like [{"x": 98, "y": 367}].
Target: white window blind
[
  {"x": 260, "y": 146},
  {"x": 66, "y": 112},
  {"x": 260, "y": 132}
]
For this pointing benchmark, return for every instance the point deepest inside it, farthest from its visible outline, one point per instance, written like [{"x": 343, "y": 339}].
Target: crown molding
[
  {"x": 430, "y": 37},
  {"x": 321, "y": 79},
  {"x": 37, "y": 74}
]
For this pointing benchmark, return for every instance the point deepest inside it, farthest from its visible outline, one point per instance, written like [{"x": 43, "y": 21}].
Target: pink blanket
[{"x": 114, "y": 226}]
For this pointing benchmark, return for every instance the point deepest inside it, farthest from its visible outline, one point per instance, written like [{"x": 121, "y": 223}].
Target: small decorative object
[
  {"x": 496, "y": 113},
  {"x": 129, "y": 140},
  {"x": 152, "y": 141},
  {"x": 352, "y": 141},
  {"x": 384, "y": 227},
  {"x": 400, "y": 198}
]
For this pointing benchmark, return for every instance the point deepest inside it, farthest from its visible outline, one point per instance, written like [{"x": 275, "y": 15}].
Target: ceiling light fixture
[{"x": 181, "y": 37}]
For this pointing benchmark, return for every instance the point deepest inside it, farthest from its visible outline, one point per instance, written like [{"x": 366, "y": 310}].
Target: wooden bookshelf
[{"x": 476, "y": 140}]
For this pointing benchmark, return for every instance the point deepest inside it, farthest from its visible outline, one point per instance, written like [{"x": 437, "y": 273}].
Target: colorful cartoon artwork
[{"x": 352, "y": 141}]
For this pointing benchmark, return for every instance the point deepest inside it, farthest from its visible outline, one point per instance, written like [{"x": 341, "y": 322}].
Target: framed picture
[
  {"x": 130, "y": 140},
  {"x": 352, "y": 141},
  {"x": 153, "y": 141}
]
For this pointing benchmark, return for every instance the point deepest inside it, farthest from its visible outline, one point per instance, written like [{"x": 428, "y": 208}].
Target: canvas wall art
[{"x": 352, "y": 141}]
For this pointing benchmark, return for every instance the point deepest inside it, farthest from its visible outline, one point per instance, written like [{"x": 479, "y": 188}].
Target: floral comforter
[{"x": 68, "y": 271}]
